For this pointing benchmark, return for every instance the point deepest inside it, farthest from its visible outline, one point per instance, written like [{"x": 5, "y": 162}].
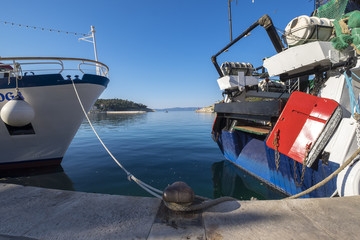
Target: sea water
[{"x": 158, "y": 148}]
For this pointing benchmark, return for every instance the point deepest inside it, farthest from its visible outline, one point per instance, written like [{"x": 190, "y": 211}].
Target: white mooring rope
[
  {"x": 206, "y": 203},
  {"x": 328, "y": 178},
  {"x": 153, "y": 191}
]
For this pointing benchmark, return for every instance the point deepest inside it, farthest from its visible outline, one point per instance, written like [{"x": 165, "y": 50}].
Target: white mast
[{"x": 92, "y": 36}]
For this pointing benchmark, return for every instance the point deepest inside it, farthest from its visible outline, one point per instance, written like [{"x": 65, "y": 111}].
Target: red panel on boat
[{"x": 300, "y": 124}]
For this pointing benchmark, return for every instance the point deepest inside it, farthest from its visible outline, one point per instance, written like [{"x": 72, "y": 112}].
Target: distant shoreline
[
  {"x": 125, "y": 112},
  {"x": 209, "y": 109}
]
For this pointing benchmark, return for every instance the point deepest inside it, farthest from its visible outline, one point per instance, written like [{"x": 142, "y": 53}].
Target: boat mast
[
  {"x": 95, "y": 51},
  {"x": 230, "y": 24},
  {"x": 92, "y": 36}
]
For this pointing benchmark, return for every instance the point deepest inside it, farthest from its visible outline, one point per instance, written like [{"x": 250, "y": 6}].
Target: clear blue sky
[{"x": 158, "y": 51}]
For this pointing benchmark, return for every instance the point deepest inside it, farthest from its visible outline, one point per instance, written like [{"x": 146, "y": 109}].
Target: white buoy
[
  {"x": 348, "y": 181},
  {"x": 17, "y": 112}
]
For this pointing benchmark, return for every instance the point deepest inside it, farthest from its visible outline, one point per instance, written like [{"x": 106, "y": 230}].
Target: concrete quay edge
[{"x": 30, "y": 213}]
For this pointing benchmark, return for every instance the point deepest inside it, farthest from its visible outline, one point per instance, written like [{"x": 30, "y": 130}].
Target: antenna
[
  {"x": 229, "y": 5},
  {"x": 92, "y": 36},
  {"x": 230, "y": 24}
]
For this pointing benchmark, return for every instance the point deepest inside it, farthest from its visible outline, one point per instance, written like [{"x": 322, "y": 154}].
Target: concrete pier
[{"x": 38, "y": 213}]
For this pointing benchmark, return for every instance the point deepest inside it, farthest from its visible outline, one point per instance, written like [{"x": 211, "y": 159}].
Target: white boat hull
[{"x": 58, "y": 116}]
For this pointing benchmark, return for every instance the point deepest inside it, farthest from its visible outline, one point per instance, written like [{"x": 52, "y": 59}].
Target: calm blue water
[{"x": 159, "y": 148}]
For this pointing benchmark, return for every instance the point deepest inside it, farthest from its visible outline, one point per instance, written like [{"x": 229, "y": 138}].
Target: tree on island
[{"x": 119, "y": 105}]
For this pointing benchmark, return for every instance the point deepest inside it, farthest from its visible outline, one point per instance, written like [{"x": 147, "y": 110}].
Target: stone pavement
[{"x": 36, "y": 213}]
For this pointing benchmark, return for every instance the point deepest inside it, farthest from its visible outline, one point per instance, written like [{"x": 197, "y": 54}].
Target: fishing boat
[
  {"x": 293, "y": 121},
  {"x": 40, "y": 106}
]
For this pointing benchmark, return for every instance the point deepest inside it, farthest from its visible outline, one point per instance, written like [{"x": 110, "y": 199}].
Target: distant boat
[{"x": 294, "y": 130}]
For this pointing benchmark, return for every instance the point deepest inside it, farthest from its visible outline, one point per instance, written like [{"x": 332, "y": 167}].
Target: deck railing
[
  {"x": 292, "y": 85},
  {"x": 19, "y": 65}
]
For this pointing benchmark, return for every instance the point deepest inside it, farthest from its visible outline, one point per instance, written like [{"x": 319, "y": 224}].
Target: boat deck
[{"x": 38, "y": 213}]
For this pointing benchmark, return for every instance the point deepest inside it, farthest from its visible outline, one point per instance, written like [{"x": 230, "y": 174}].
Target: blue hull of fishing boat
[{"x": 253, "y": 156}]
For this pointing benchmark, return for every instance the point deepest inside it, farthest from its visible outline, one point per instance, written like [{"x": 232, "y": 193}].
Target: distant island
[{"x": 115, "y": 105}]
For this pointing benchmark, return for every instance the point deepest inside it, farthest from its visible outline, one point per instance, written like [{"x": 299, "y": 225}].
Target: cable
[{"x": 43, "y": 29}]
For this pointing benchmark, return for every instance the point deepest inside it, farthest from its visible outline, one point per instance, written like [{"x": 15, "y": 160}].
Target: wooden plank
[{"x": 256, "y": 130}]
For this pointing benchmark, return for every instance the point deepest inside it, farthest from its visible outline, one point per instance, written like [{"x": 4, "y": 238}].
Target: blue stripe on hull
[
  {"x": 252, "y": 155},
  {"x": 51, "y": 80}
]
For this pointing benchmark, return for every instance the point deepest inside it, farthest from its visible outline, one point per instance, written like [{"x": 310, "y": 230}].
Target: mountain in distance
[{"x": 178, "y": 109}]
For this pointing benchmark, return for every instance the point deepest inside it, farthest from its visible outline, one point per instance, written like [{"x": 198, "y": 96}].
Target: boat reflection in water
[
  {"x": 46, "y": 177},
  {"x": 231, "y": 181}
]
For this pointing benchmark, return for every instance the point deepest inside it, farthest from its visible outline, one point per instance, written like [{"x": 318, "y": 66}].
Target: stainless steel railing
[{"x": 19, "y": 65}]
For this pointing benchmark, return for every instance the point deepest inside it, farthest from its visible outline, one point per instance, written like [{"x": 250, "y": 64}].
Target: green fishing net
[
  {"x": 334, "y": 9},
  {"x": 347, "y": 31},
  {"x": 354, "y": 19}
]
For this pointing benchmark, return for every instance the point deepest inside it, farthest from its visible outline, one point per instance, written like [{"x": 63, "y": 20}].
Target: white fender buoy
[
  {"x": 17, "y": 112},
  {"x": 348, "y": 181}
]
